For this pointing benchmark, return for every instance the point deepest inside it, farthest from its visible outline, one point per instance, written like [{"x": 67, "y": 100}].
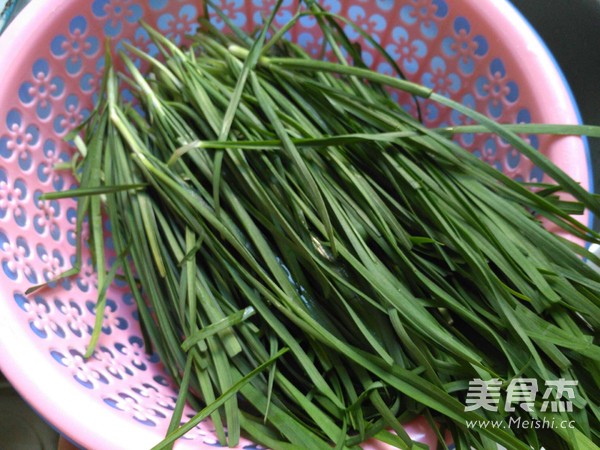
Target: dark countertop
[
  {"x": 571, "y": 30},
  {"x": 20, "y": 427}
]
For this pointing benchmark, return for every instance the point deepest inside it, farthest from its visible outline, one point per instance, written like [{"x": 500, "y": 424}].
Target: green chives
[{"x": 315, "y": 267}]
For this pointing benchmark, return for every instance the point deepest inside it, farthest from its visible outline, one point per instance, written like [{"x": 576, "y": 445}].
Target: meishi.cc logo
[{"x": 556, "y": 395}]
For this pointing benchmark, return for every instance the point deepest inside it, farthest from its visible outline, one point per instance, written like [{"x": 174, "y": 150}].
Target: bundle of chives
[{"x": 315, "y": 267}]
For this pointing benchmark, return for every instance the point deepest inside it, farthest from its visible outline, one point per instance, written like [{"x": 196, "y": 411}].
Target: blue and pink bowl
[{"x": 479, "y": 52}]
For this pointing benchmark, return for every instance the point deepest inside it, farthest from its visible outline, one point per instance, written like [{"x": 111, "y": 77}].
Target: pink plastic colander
[{"x": 480, "y": 52}]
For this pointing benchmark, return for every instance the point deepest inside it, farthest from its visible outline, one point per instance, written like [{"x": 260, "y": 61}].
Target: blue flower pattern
[
  {"x": 489, "y": 152},
  {"x": 46, "y": 219},
  {"x": 497, "y": 88},
  {"x": 233, "y": 9},
  {"x": 82, "y": 372},
  {"x": 371, "y": 24},
  {"x": 116, "y": 14},
  {"x": 13, "y": 196},
  {"x": 42, "y": 89},
  {"x": 408, "y": 52},
  {"x": 54, "y": 262},
  {"x": 175, "y": 27},
  {"x": 19, "y": 141},
  {"x": 440, "y": 79},
  {"x": 46, "y": 170},
  {"x": 426, "y": 13},
  {"x": 464, "y": 46},
  {"x": 135, "y": 407},
  {"x": 72, "y": 116},
  {"x": 15, "y": 259},
  {"x": 39, "y": 313},
  {"x": 73, "y": 313},
  {"x": 75, "y": 46},
  {"x": 112, "y": 321}
]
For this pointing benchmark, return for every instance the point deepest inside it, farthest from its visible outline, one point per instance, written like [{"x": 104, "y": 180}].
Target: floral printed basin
[{"x": 480, "y": 52}]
